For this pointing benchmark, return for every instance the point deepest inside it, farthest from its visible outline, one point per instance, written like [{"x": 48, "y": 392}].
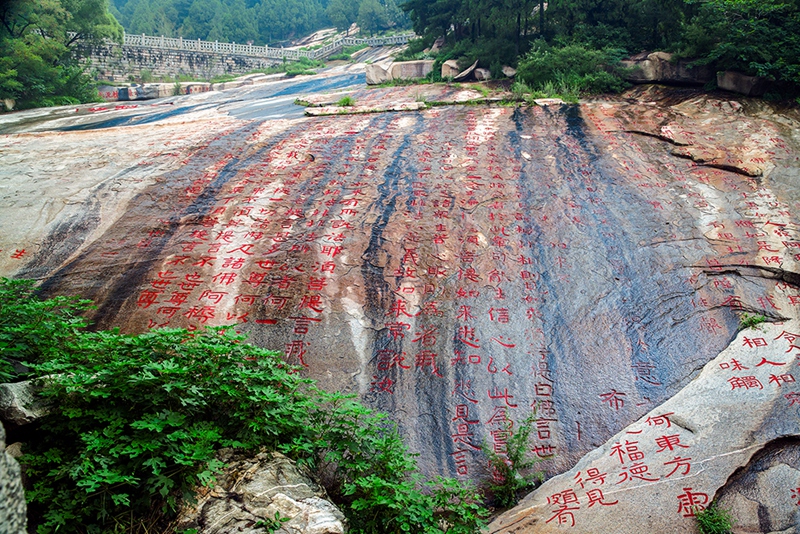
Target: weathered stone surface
[
  {"x": 378, "y": 73},
  {"x": 13, "y": 518},
  {"x": 682, "y": 453},
  {"x": 19, "y": 404},
  {"x": 256, "y": 489},
  {"x": 509, "y": 72},
  {"x": 763, "y": 497},
  {"x": 437, "y": 45},
  {"x": 661, "y": 67},
  {"x": 450, "y": 69},
  {"x": 411, "y": 70},
  {"x": 453, "y": 266},
  {"x": 482, "y": 75},
  {"x": 741, "y": 83}
]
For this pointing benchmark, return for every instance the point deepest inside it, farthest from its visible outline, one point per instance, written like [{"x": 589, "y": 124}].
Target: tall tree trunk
[{"x": 541, "y": 17}]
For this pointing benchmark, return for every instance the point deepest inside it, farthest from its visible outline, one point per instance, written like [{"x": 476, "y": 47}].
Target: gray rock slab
[{"x": 650, "y": 476}]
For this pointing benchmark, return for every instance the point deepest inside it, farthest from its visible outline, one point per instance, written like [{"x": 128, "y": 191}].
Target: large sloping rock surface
[{"x": 457, "y": 267}]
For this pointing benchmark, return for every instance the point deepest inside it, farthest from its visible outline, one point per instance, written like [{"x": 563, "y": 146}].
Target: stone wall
[{"x": 124, "y": 63}]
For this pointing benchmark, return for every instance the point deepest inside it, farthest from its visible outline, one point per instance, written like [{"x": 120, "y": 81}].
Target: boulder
[
  {"x": 9, "y": 103},
  {"x": 19, "y": 404},
  {"x": 13, "y": 511},
  {"x": 437, "y": 45},
  {"x": 466, "y": 73},
  {"x": 650, "y": 476},
  {"x": 254, "y": 489},
  {"x": 509, "y": 72},
  {"x": 661, "y": 67},
  {"x": 737, "y": 82},
  {"x": 450, "y": 69},
  {"x": 411, "y": 70},
  {"x": 378, "y": 73},
  {"x": 482, "y": 75}
]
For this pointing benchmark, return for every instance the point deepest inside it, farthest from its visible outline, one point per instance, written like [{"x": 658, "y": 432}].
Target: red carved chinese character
[
  {"x": 593, "y": 475},
  {"x": 427, "y": 336},
  {"x": 630, "y": 449},
  {"x": 614, "y": 399},
  {"x": 746, "y": 382},
  {"x": 679, "y": 462},
  {"x": 669, "y": 442},
  {"x": 382, "y": 385},
  {"x": 636, "y": 470},
  {"x": 691, "y": 502},
  {"x": 782, "y": 379},
  {"x": 755, "y": 342},
  {"x": 596, "y": 497},
  {"x": 296, "y": 349},
  {"x": 563, "y": 513},
  {"x": 504, "y": 395},
  {"x": 389, "y": 358}
]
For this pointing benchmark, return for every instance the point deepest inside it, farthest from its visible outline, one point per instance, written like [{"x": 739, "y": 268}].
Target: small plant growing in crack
[
  {"x": 714, "y": 520},
  {"x": 751, "y": 320},
  {"x": 346, "y": 101}
]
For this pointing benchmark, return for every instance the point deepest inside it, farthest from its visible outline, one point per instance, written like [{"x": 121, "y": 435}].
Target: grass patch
[
  {"x": 714, "y": 520},
  {"x": 346, "y": 101},
  {"x": 751, "y": 320}
]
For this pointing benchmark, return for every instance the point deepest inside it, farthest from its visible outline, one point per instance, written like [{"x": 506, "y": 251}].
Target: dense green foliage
[
  {"x": 579, "y": 42},
  {"x": 136, "y": 421},
  {"x": 259, "y": 21},
  {"x": 38, "y": 66}
]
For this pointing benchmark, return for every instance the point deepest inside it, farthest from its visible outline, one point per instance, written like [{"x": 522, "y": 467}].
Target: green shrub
[
  {"x": 714, "y": 520},
  {"x": 32, "y": 329},
  {"x": 346, "y": 101},
  {"x": 572, "y": 67},
  {"x": 137, "y": 421}
]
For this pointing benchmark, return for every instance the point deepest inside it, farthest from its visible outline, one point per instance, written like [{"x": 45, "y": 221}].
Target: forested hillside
[
  {"x": 756, "y": 37},
  {"x": 259, "y": 21}
]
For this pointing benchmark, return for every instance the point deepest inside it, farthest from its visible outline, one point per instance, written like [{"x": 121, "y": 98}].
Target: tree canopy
[
  {"x": 259, "y": 21},
  {"x": 757, "y": 37},
  {"x": 37, "y": 40}
]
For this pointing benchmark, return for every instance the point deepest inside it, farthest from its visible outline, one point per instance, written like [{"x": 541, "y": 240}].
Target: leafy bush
[
  {"x": 346, "y": 101},
  {"x": 32, "y": 329},
  {"x": 758, "y": 38},
  {"x": 137, "y": 420},
  {"x": 573, "y": 66},
  {"x": 513, "y": 475},
  {"x": 714, "y": 520}
]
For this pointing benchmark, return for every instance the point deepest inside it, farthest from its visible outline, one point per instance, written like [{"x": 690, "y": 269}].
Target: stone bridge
[{"x": 164, "y": 57}]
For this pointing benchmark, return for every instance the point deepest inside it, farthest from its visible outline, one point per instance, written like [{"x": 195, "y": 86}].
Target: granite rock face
[
  {"x": 13, "y": 519},
  {"x": 456, "y": 267},
  {"x": 253, "y": 490},
  {"x": 680, "y": 455},
  {"x": 741, "y": 83}
]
